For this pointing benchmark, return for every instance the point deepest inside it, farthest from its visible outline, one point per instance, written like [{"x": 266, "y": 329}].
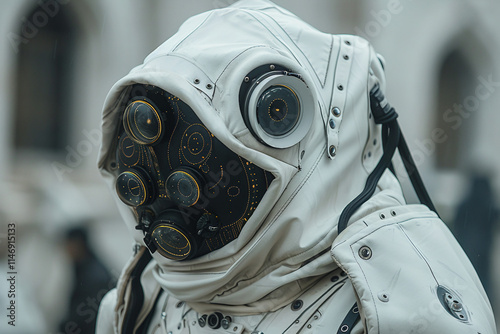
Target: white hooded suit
[{"x": 289, "y": 271}]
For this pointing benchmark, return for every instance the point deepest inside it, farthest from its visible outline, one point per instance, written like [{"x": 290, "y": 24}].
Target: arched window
[
  {"x": 44, "y": 80},
  {"x": 456, "y": 84}
]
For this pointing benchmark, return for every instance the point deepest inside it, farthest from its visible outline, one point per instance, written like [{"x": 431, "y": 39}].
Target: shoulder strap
[{"x": 136, "y": 295}]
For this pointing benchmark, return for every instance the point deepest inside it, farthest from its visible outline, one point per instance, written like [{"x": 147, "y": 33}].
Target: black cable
[
  {"x": 415, "y": 178},
  {"x": 392, "y": 138},
  {"x": 372, "y": 180}
]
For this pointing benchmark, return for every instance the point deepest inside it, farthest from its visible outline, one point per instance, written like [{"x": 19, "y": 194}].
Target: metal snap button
[
  {"x": 202, "y": 321},
  {"x": 365, "y": 253},
  {"x": 297, "y": 305},
  {"x": 226, "y": 322},
  {"x": 336, "y": 111}
]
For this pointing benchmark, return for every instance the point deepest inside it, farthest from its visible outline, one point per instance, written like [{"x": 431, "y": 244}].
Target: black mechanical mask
[{"x": 192, "y": 195}]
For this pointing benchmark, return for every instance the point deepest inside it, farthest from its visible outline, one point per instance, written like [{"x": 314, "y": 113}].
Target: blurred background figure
[
  {"x": 474, "y": 225},
  {"x": 91, "y": 281}
]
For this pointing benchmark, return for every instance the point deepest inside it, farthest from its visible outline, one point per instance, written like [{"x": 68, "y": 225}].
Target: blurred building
[{"x": 59, "y": 58}]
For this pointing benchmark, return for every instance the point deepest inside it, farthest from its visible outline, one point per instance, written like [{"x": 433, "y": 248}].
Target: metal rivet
[
  {"x": 297, "y": 305},
  {"x": 344, "y": 328},
  {"x": 209, "y": 86},
  {"x": 235, "y": 329},
  {"x": 113, "y": 165},
  {"x": 309, "y": 326},
  {"x": 297, "y": 321},
  {"x": 456, "y": 306},
  {"x": 226, "y": 322},
  {"x": 340, "y": 87},
  {"x": 247, "y": 79},
  {"x": 332, "y": 124},
  {"x": 336, "y": 112},
  {"x": 382, "y": 216},
  {"x": 272, "y": 67},
  {"x": 194, "y": 323},
  {"x": 365, "y": 253},
  {"x": 196, "y": 81},
  {"x": 347, "y": 42},
  {"x": 334, "y": 278},
  {"x": 333, "y": 150},
  {"x": 179, "y": 304},
  {"x": 202, "y": 321},
  {"x": 346, "y": 57},
  {"x": 384, "y": 297},
  {"x": 170, "y": 332},
  {"x": 393, "y": 213},
  {"x": 316, "y": 317},
  {"x": 355, "y": 310},
  {"x": 163, "y": 315}
]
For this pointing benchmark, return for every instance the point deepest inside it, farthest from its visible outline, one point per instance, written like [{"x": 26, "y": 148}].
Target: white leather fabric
[
  {"x": 412, "y": 253},
  {"x": 283, "y": 252}
]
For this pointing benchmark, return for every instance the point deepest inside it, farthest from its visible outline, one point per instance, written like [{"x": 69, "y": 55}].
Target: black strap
[
  {"x": 372, "y": 181},
  {"x": 143, "y": 329},
  {"x": 350, "y": 320},
  {"x": 136, "y": 295},
  {"x": 392, "y": 138},
  {"x": 416, "y": 179}
]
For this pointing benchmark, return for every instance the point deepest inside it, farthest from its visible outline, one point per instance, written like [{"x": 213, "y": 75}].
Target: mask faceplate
[{"x": 191, "y": 193}]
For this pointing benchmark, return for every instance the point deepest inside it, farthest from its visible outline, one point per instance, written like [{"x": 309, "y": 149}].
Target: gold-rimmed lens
[
  {"x": 133, "y": 188},
  {"x": 171, "y": 242},
  {"x": 142, "y": 122},
  {"x": 183, "y": 187}
]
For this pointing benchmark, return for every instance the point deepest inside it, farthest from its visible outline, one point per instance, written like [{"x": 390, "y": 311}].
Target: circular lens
[
  {"x": 171, "y": 241},
  {"x": 183, "y": 187},
  {"x": 133, "y": 188},
  {"x": 278, "y": 110},
  {"x": 142, "y": 122}
]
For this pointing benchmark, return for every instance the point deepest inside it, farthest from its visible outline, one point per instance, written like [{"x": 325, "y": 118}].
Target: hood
[{"x": 284, "y": 245}]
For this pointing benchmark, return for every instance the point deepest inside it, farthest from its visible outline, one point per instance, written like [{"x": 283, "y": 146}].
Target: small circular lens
[
  {"x": 133, "y": 188},
  {"x": 278, "y": 110},
  {"x": 142, "y": 122},
  {"x": 183, "y": 187},
  {"x": 171, "y": 241}
]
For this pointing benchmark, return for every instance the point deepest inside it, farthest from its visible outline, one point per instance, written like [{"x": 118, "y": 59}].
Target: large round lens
[
  {"x": 183, "y": 187},
  {"x": 142, "y": 122},
  {"x": 171, "y": 242},
  {"x": 133, "y": 188},
  {"x": 278, "y": 110}
]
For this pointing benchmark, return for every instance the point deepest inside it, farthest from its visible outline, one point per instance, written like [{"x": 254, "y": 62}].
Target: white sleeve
[
  {"x": 411, "y": 275},
  {"x": 106, "y": 314}
]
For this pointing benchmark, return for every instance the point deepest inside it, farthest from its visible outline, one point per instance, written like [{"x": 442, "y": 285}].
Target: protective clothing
[{"x": 395, "y": 269}]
